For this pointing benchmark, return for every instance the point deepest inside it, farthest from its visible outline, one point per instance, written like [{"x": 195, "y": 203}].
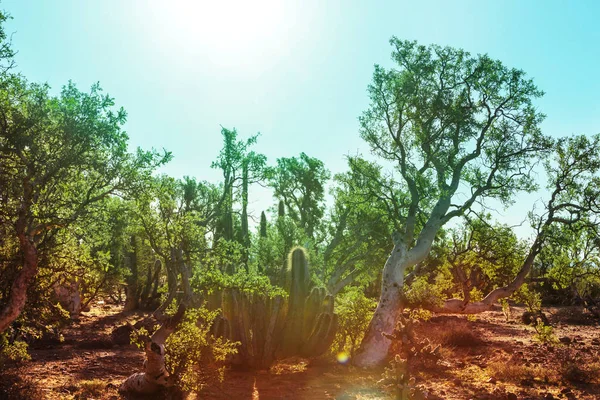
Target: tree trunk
[
  {"x": 245, "y": 234},
  {"x": 132, "y": 298},
  {"x": 18, "y": 292},
  {"x": 155, "y": 375},
  {"x": 155, "y": 283},
  {"x": 458, "y": 306},
  {"x": 374, "y": 346}
]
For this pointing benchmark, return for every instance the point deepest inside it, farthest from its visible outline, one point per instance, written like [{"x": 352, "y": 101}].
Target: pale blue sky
[{"x": 296, "y": 71}]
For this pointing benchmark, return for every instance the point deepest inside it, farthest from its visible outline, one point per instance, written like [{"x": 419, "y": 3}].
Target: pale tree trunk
[
  {"x": 155, "y": 376},
  {"x": 18, "y": 292},
  {"x": 374, "y": 346}
]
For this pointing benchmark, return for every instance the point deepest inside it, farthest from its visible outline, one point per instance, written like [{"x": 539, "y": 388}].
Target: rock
[
  {"x": 526, "y": 382},
  {"x": 121, "y": 334},
  {"x": 492, "y": 380},
  {"x": 530, "y": 318},
  {"x": 565, "y": 339}
]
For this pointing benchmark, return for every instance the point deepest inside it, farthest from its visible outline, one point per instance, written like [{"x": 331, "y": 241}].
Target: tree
[
  {"x": 58, "y": 157},
  {"x": 300, "y": 184},
  {"x": 241, "y": 168},
  {"x": 570, "y": 261},
  {"x": 574, "y": 182},
  {"x": 173, "y": 216},
  {"x": 6, "y": 52},
  {"x": 481, "y": 256},
  {"x": 358, "y": 229},
  {"x": 449, "y": 123}
]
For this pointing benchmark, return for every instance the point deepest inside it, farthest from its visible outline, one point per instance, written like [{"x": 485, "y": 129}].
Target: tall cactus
[
  {"x": 263, "y": 225},
  {"x": 297, "y": 284},
  {"x": 303, "y": 324}
]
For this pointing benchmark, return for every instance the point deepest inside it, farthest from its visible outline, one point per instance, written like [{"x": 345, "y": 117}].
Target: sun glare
[{"x": 225, "y": 32}]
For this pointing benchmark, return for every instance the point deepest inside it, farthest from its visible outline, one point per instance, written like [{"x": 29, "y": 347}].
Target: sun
[{"x": 223, "y": 31}]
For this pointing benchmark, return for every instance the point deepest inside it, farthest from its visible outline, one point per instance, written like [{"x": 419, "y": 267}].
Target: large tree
[
  {"x": 456, "y": 128},
  {"x": 58, "y": 157}
]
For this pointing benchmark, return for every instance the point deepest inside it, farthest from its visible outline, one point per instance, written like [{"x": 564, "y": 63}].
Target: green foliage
[
  {"x": 355, "y": 311},
  {"x": 193, "y": 355},
  {"x": 544, "y": 333},
  {"x": 422, "y": 293},
  {"x": 299, "y": 184},
  {"x": 531, "y": 298},
  {"x": 420, "y": 314},
  {"x": 481, "y": 256},
  {"x": 213, "y": 280},
  {"x": 506, "y": 309},
  {"x": 12, "y": 352}
]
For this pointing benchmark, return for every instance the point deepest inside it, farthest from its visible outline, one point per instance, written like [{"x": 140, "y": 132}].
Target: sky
[{"x": 295, "y": 71}]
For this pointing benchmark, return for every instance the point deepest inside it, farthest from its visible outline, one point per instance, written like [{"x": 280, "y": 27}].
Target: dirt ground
[{"x": 488, "y": 358}]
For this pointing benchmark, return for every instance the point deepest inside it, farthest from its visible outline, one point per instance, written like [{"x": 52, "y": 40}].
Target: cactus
[
  {"x": 398, "y": 375},
  {"x": 272, "y": 328},
  {"x": 263, "y": 225},
  {"x": 221, "y": 328}
]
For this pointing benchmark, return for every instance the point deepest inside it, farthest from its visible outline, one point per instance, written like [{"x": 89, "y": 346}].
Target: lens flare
[{"x": 343, "y": 357}]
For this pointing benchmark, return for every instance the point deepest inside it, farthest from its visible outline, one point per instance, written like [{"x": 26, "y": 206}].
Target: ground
[{"x": 485, "y": 358}]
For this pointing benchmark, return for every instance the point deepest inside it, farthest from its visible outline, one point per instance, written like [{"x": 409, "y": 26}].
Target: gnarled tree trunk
[
  {"x": 18, "y": 292},
  {"x": 374, "y": 346},
  {"x": 155, "y": 376}
]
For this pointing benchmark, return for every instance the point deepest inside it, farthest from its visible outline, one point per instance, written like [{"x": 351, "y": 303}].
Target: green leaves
[
  {"x": 444, "y": 118},
  {"x": 300, "y": 184}
]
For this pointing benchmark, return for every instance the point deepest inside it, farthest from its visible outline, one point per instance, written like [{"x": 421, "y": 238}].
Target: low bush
[
  {"x": 458, "y": 335},
  {"x": 354, "y": 311}
]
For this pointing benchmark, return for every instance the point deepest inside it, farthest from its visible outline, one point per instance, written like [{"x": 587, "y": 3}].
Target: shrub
[
  {"x": 12, "y": 352},
  {"x": 420, "y": 314},
  {"x": 544, "y": 333},
  {"x": 354, "y": 311},
  {"x": 529, "y": 297},
  {"x": 193, "y": 356},
  {"x": 422, "y": 293},
  {"x": 506, "y": 309}
]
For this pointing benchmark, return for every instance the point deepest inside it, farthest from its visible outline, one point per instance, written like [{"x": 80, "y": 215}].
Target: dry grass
[
  {"x": 516, "y": 373},
  {"x": 458, "y": 335},
  {"x": 90, "y": 388}
]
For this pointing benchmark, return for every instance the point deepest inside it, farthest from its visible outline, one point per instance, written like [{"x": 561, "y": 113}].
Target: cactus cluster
[{"x": 303, "y": 324}]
